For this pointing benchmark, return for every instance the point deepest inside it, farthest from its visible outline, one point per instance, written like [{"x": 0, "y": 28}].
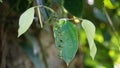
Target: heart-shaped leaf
[
  {"x": 90, "y": 32},
  {"x": 25, "y": 21},
  {"x": 66, "y": 38}
]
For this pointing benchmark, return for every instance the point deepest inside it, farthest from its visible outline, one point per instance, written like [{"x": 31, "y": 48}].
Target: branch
[{"x": 112, "y": 26}]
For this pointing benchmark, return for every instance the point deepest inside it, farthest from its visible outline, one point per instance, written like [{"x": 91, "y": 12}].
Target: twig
[
  {"x": 109, "y": 20},
  {"x": 48, "y": 8},
  {"x": 111, "y": 24},
  {"x": 39, "y": 16}
]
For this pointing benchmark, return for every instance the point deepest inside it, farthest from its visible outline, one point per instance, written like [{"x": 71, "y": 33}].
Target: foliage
[
  {"x": 90, "y": 32},
  {"x": 65, "y": 33},
  {"x": 66, "y": 37},
  {"x": 99, "y": 22},
  {"x": 25, "y": 21}
]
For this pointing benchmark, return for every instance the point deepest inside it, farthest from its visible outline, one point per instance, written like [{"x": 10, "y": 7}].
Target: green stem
[
  {"x": 62, "y": 8},
  {"x": 48, "y": 8},
  {"x": 39, "y": 16}
]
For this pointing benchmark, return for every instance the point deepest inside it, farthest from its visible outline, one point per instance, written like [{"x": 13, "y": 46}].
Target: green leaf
[
  {"x": 66, "y": 38},
  {"x": 1, "y": 1},
  {"x": 25, "y": 21},
  {"x": 108, "y": 4},
  {"x": 90, "y": 32},
  {"x": 74, "y": 7}
]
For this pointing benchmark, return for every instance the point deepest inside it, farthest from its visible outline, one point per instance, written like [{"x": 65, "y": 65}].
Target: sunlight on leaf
[
  {"x": 118, "y": 12},
  {"x": 108, "y": 4},
  {"x": 99, "y": 37},
  {"x": 66, "y": 38},
  {"x": 90, "y": 32},
  {"x": 114, "y": 40},
  {"x": 25, "y": 21},
  {"x": 118, "y": 59},
  {"x": 112, "y": 53}
]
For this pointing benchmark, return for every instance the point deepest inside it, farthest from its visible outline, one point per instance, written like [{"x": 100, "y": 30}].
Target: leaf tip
[
  {"x": 19, "y": 35},
  {"x": 67, "y": 64},
  {"x": 93, "y": 57},
  {"x": 93, "y": 53}
]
